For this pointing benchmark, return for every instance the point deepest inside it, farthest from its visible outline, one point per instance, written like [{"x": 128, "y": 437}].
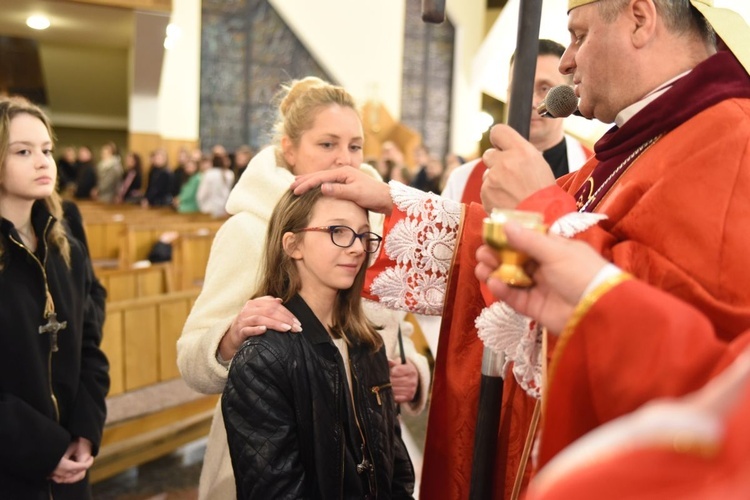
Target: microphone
[{"x": 561, "y": 101}]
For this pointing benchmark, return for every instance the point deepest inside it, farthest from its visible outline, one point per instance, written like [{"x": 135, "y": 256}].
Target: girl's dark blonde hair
[
  {"x": 299, "y": 103},
  {"x": 10, "y": 107},
  {"x": 279, "y": 276}
]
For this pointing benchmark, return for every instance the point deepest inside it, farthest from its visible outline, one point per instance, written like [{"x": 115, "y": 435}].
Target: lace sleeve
[{"x": 420, "y": 247}]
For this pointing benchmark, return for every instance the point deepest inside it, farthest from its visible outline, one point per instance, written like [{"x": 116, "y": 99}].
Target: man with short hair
[
  {"x": 562, "y": 152},
  {"x": 672, "y": 178}
]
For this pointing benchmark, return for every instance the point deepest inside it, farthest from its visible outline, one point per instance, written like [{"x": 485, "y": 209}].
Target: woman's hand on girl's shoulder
[{"x": 255, "y": 318}]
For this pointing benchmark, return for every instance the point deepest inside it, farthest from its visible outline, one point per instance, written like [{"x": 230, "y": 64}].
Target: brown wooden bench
[
  {"x": 120, "y": 235},
  {"x": 190, "y": 249},
  {"x": 140, "y": 337},
  {"x": 133, "y": 283},
  {"x": 150, "y": 410}
]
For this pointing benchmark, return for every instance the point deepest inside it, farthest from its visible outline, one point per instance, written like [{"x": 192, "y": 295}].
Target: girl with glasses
[{"x": 313, "y": 415}]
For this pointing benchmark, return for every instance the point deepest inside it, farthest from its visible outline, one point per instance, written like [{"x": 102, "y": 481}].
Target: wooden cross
[{"x": 53, "y": 327}]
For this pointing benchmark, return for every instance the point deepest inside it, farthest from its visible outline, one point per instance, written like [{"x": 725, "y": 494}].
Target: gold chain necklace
[{"x": 627, "y": 161}]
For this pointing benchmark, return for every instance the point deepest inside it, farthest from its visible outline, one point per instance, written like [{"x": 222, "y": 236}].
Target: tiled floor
[{"x": 175, "y": 477}]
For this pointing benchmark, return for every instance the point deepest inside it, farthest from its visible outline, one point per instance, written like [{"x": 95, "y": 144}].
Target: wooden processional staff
[{"x": 484, "y": 470}]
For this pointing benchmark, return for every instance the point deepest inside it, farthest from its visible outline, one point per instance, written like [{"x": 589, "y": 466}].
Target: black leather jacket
[{"x": 291, "y": 425}]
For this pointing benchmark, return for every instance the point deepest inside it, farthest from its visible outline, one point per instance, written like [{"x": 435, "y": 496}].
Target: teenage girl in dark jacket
[
  {"x": 53, "y": 376},
  {"x": 312, "y": 415}
]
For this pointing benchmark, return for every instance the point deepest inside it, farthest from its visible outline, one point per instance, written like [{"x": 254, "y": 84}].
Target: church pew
[
  {"x": 112, "y": 242},
  {"x": 151, "y": 412},
  {"x": 135, "y": 282},
  {"x": 105, "y": 227},
  {"x": 105, "y": 240},
  {"x": 150, "y": 409},
  {"x": 122, "y": 242},
  {"x": 190, "y": 254},
  {"x": 140, "y": 337},
  {"x": 140, "y": 236}
]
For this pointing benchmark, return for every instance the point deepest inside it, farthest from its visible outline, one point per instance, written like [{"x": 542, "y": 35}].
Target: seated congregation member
[
  {"x": 178, "y": 172},
  {"x": 214, "y": 188},
  {"x": 242, "y": 157},
  {"x": 66, "y": 167},
  {"x": 108, "y": 173},
  {"x": 158, "y": 190},
  {"x": 130, "y": 190},
  {"x": 187, "y": 198},
  {"x": 53, "y": 375},
  {"x": 678, "y": 443},
  {"x": 318, "y": 129},
  {"x": 85, "y": 175},
  {"x": 313, "y": 415}
]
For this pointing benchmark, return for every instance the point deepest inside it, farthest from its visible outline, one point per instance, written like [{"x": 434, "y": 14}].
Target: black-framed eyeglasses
[{"x": 344, "y": 236}]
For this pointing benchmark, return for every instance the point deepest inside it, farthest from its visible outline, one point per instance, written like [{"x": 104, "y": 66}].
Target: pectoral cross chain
[{"x": 53, "y": 327}]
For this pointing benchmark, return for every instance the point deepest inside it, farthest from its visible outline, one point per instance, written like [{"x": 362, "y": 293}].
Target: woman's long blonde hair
[
  {"x": 10, "y": 107},
  {"x": 279, "y": 276}
]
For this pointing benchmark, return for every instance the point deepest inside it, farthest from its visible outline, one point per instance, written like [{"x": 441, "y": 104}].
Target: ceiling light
[{"x": 37, "y": 22}]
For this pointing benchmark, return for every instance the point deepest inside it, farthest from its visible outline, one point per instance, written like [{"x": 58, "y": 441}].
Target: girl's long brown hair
[{"x": 279, "y": 276}]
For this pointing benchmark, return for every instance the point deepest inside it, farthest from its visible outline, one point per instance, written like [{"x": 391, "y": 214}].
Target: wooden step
[{"x": 144, "y": 438}]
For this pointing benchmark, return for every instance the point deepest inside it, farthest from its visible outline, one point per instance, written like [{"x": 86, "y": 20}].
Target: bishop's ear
[{"x": 643, "y": 15}]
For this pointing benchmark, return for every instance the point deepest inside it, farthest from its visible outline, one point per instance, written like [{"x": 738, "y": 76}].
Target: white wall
[
  {"x": 146, "y": 61},
  {"x": 165, "y": 92},
  {"x": 360, "y": 43},
  {"x": 468, "y": 19},
  {"x": 179, "y": 93}
]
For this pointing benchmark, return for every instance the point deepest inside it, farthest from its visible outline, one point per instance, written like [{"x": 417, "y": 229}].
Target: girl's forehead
[
  {"x": 332, "y": 208},
  {"x": 27, "y": 127}
]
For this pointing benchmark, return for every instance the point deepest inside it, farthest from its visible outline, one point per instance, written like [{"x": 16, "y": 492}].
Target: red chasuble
[
  {"x": 680, "y": 448},
  {"x": 677, "y": 219},
  {"x": 474, "y": 184}
]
